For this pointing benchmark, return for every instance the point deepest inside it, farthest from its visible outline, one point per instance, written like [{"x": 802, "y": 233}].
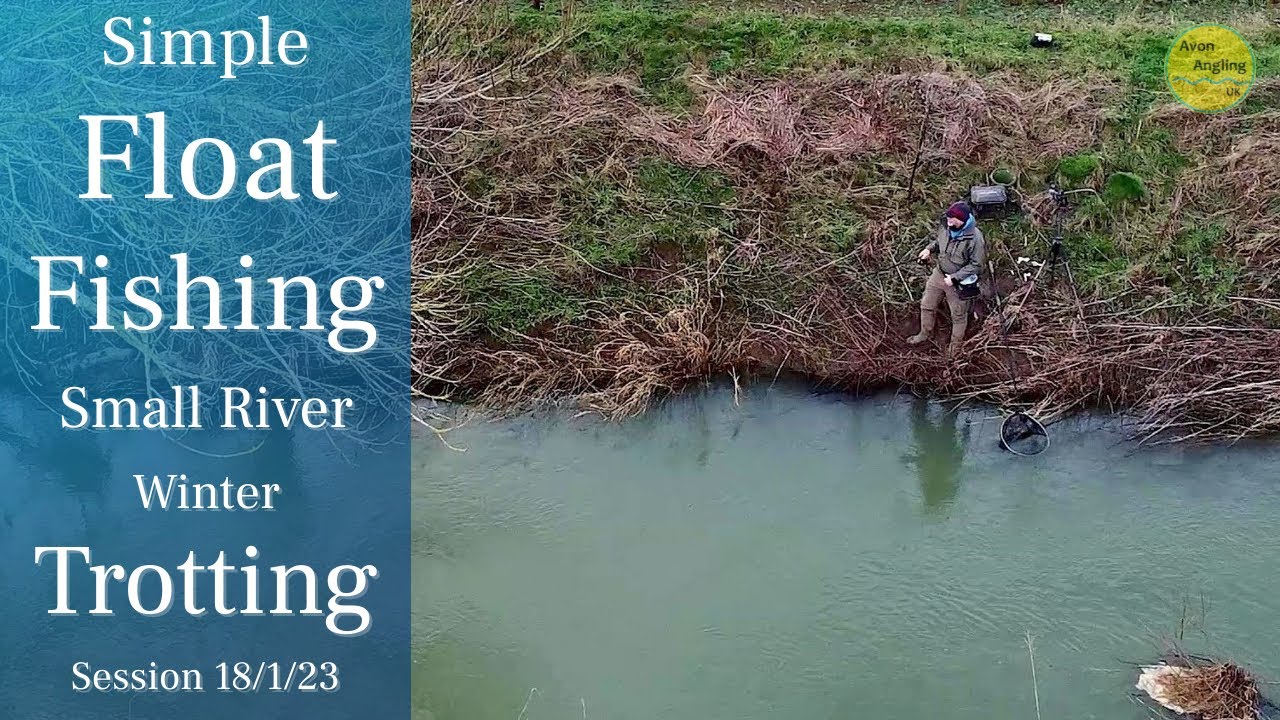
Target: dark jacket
[{"x": 963, "y": 256}]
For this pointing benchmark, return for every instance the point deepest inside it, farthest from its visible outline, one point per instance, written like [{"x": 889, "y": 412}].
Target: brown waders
[{"x": 935, "y": 289}]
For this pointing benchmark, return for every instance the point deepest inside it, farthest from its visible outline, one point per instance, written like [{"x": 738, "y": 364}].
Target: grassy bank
[{"x": 613, "y": 200}]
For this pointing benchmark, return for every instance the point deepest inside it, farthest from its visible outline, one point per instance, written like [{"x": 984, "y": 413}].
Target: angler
[{"x": 960, "y": 251}]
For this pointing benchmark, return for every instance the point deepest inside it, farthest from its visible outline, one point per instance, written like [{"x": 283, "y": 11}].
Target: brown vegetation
[
  {"x": 749, "y": 286},
  {"x": 1204, "y": 689}
]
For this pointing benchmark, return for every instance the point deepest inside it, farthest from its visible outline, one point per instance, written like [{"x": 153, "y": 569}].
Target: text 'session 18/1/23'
[{"x": 274, "y": 676}]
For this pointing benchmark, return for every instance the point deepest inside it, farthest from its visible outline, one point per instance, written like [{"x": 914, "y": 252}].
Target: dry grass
[
  {"x": 1205, "y": 690},
  {"x": 759, "y": 288}
]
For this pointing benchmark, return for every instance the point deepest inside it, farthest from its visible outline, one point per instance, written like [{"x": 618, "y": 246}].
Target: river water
[{"x": 798, "y": 556}]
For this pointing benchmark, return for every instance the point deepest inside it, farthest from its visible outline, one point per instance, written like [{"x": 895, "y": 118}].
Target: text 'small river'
[{"x": 804, "y": 556}]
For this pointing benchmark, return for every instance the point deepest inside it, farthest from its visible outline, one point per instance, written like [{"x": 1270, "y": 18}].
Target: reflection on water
[
  {"x": 772, "y": 560},
  {"x": 937, "y": 453}
]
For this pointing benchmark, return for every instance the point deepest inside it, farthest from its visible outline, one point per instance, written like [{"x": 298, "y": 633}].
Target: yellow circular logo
[{"x": 1210, "y": 68}]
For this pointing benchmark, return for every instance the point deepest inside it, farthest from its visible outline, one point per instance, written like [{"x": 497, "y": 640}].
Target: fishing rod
[
  {"x": 1018, "y": 426},
  {"x": 911, "y": 182},
  {"x": 906, "y": 201},
  {"x": 915, "y": 164},
  {"x": 872, "y": 271}
]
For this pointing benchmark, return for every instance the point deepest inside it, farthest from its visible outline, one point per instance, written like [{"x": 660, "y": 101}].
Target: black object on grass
[
  {"x": 991, "y": 201},
  {"x": 1042, "y": 40}
]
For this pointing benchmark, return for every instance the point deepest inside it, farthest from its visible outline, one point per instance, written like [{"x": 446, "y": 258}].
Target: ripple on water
[{"x": 802, "y": 556}]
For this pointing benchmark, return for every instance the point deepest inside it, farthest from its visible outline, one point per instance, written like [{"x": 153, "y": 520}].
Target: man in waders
[{"x": 960, "y": 252}]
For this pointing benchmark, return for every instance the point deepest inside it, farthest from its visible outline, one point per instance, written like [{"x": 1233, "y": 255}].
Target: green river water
[{"x": 814, "y": 556}]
